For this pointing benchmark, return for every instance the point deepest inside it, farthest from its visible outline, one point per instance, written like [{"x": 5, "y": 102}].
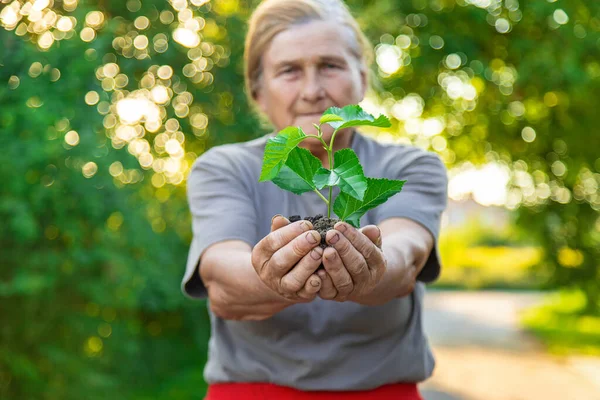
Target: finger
[
  {"x": 351, "y": 258},
  {"x": 278, "y": 221},
  {"x": 282, "y": 236},
  {"x": 328, "y": 290},
  {"x": 267, "y": 246},
  {"x": 373, "y": 233},
  {"x": 289, "y": 255},
  {"x": 373, "y": 255},
  {"x": 338, "y": 272},
  {"x": 375, "y": 260},
  {"x": 361, "y": 241},
  {"x": 296, "y": 278},
  {"x": 311, "y": 288}
]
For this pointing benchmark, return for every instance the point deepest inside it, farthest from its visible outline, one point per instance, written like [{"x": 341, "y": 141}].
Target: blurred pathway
[{"x": 483, "y": 355}]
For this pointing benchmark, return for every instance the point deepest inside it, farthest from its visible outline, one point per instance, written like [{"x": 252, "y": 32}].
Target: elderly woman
[{"x": 282, "y": 328}]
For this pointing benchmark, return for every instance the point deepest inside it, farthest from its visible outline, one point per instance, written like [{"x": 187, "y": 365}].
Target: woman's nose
[{"x": 312, "y": 89}]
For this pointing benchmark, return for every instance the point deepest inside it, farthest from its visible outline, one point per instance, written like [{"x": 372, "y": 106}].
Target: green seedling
[{"x": 297, "y": 170}]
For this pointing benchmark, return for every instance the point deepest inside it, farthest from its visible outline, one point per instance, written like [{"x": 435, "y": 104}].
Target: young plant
[{"x": 295, "y": 169}]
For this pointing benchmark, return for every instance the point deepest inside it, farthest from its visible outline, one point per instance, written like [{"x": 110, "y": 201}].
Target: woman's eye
[{"x": 330, "y": 66}]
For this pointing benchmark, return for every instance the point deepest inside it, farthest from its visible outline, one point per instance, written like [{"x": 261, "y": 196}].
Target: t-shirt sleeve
[
  {"x": 423, "y": 199},
  {"x": 221, "y": 207}
]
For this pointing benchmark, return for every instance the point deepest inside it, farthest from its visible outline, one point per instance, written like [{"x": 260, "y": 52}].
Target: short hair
[{"x": 274, "y": 16}]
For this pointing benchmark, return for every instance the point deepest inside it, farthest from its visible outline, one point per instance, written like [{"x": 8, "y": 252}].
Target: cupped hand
[
  {"x": 287, "y": 258},
  {"x": 354, "y": 263}
]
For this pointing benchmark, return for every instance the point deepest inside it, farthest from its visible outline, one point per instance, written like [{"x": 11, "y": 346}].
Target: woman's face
[{"x": 307, "y": 69}]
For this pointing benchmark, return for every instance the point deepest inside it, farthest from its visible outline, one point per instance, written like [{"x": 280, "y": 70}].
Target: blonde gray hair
[{"x": 274, "y": 16}]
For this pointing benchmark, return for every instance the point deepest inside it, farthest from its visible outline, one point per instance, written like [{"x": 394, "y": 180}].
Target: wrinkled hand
[
  {"x": 287, "y": 258},
  {"x": 354, "y": 263}
]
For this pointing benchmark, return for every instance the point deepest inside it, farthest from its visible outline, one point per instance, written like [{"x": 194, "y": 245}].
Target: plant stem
[
  {"x": 332, "y": 139},
  {"x": 323, "y": 142},
  {"x": 321, "y": 196},
  {"x": 329, "y": 149},
  {"x": 330, "y": 188},
  {"x": 331, "y": 166}
]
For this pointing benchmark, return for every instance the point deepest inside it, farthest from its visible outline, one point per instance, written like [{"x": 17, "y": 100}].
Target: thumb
[
  {"x": 278, "y": 221},
  {"x": 373, "y": 233}
]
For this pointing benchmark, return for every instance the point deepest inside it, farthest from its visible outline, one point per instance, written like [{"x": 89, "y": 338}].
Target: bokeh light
[
  {"x": 72, "y": 138},
  {"x": 89, "y": 169},
  {"x": 92, "y": 98},
  {"x": 41, "y": 20}
]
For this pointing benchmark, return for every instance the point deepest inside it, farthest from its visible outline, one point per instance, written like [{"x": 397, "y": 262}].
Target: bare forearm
[{"x": 235, "y": 291}]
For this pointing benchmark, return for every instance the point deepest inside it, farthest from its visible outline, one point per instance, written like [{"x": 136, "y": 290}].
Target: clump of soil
[{"x": 321, "y": 224}]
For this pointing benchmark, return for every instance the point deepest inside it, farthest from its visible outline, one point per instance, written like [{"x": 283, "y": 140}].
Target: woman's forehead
[{"x": 316, "y": 40}]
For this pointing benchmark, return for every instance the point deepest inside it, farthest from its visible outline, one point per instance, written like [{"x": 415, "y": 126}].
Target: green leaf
[
  {"x": 277, "y": 150},
  {"x": 347, "y": 174},
  {"x": 378, "y": 191},
  {"x": 298, "y": 172},
  {"x": 325, "y": 118},
  {"x": 353, "y": 115},
  {"x": 324, "y": 177}
]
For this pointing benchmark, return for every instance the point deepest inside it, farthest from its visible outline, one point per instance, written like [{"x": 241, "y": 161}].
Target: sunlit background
[{"x": 105, "y": 105}]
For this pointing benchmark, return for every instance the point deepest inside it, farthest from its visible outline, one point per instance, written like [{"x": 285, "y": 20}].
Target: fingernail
[
  {"x": 312, "y": 237},
  {"x": 334, "y": 239},
  {"x": 330, "y": 256},
  {"x": 315, "y": 282},
  {"x": 341, "y": 227},
  {"x": 275, "y": 216},
  {"x": 315, "y": 254},
  {"x": 306, "y": 225}
]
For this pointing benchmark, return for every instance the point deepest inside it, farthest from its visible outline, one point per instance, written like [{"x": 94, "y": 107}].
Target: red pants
[{"x": 268, "y": 391}]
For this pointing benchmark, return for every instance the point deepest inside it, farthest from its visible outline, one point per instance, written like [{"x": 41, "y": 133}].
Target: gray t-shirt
[{"x": 321, "y": 345}]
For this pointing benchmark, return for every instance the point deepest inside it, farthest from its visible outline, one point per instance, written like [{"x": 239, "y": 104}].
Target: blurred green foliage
[
  {"x": 509, "y": 83},
  {"x": 563, "y": 324},
  {"x": 476, "y": 256},
  {"x": 104, "y": 106}
]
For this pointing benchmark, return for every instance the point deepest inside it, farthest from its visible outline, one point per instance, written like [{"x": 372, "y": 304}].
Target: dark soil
[{"x": 321, "y": 224}]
